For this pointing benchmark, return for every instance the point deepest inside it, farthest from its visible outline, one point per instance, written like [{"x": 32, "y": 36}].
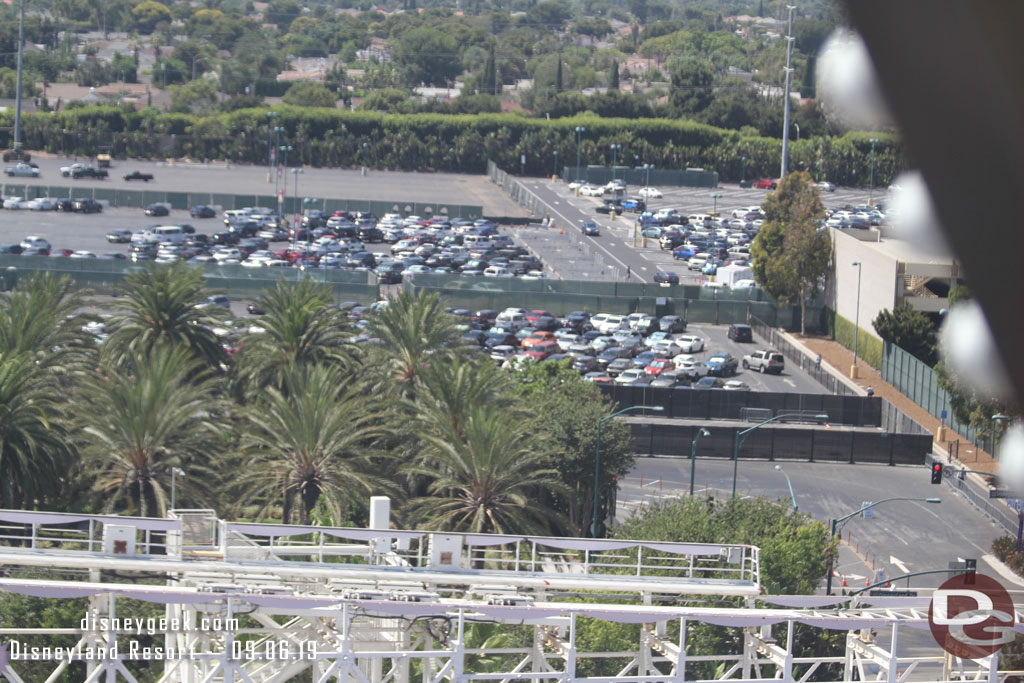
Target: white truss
[{"x": 273, "y": 603}]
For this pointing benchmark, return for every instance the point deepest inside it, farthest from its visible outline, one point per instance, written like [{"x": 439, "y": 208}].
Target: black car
[
  {"x": 254, "y": 308},
  {"x": 65, "y": 204},
  {"x": 157, "y": 210},
  {"x": 10, "y": 249},
  {"x": 722, "y": 365},
  {"x": 314, "y": 218},
  {"x": 202, "y": 212},
  {"x": 484, "y": 317},
  {"x": 664, "y": 277},
  {"x": 577, "y": 320},
  {"x": 370, "y": 234},
  {"x": 475, "y": 337},
  {"x": 225, "y": 237},
  {"x": 89, "y": 172},
  {"x": 244, "y": 228},
  {"x": 672, "y": 324},
  {"x": 389, "y": 277},
  {"x": 85, "y": 205},
  {"x": 740, "y": 333},
  {"x": 138, "y": 175},
  {"x": 608, "y": 207}
]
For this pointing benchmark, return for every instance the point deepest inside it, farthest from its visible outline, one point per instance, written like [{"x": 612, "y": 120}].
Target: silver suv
[{"x": 764, "y": 360}]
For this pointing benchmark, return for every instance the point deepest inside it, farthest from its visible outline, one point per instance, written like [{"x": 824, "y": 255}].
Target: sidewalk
[{"x": 841, "y": 358}]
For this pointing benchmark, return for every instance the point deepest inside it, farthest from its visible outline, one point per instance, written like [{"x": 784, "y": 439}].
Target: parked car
[
  {"x": 650, "y": 193},
  {"x": 672, "y": 324},
  {"x": 666, "y": 278},
  {"x": 138, "y": 175},
  {"x": 22, "y": 169},
  {"x": 608, "y": 207},
  {"x": 825, "y": 185},
  {"x": 740, "y": 333},
  {"x": 690, "y": 343},
  {"x": 722, "y": 365},
  {"x": 157, "y": 210},
  {"x": 202, "y": 211},
  {"x": 89, "y": 172},
  {"x": 86, "y": 205},
  {"x": 709, "y": 383},
  {"x": 764, "y": 360},
  {"x": 735, "y": 385},
  {"x": 119, "y": 236},
  {"x": 672, "y": 379},
  {"x": 765, "y": 184}
]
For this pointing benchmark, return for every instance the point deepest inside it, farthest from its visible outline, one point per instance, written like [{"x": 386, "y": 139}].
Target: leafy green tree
[
  {"x": 195, "y": 97},
  {"x": 310, "y": 443},
  {"x": 310, "y": 94},
  {"x": 414, "y": 330},
  {"x": 146, "y": 414},
  {"x": 282, "y": 13},
  {"x": 149, "y": 14},
  {"x": 790, "y": 253},
  {"x": 567, "y": 411},
  {"x": 613, "y": 80},
  {"x": 391, "y": 100},
  {"x": 910, "y": 330},
  {"x": 162, "y": 306},
  {"x": 124, "y": 68},
  {"x": 692, "y": 81},
  {"x": 427, "y": 55},
  {"x": 300, "y": 327},
  {"x": 35, "y": 443},
  {"x": 485, "y": 476},
  {"x": 552, "y": 15}
]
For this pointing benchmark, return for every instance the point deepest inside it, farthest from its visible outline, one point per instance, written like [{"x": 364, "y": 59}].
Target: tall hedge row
[{"x": 443, "y": 142}]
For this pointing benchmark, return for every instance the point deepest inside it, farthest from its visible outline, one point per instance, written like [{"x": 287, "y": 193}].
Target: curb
[{"x": 1003, "y": 571}]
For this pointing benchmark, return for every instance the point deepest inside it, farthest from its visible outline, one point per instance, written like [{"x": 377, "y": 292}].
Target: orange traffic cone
[
  {"x": 867, "y": 583},
  {"x": 844, "y": 582}
]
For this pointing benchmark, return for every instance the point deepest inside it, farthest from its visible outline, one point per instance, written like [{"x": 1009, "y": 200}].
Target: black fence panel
[
  {"x": 817, "y": 444},
  {"x": 856, "y": 411}
]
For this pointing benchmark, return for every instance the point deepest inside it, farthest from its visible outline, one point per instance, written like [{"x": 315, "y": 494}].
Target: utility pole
[
  {"x": 785, "y": 95},
  {"x": 17, "y": 95}
]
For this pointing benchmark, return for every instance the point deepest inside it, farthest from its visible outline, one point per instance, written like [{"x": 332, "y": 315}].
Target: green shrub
[
  {"x": 1004, "y": 547},
  {"x": 869, "y": 347}
]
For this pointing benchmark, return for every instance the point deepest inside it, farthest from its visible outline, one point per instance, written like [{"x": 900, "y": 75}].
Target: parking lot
[{"x": 619, "y": 253}]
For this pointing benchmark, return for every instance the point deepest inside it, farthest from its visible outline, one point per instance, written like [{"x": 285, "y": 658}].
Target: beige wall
[{"x": 879, "y": 280}]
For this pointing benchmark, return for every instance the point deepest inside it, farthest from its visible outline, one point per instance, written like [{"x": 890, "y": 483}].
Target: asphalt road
[
  {"x": 616, "y": 243},
  {"x": 335, "y": 183},
  {"x": 899, "y": 537}
]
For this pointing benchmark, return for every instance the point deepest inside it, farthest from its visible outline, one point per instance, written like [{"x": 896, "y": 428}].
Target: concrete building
[{"x": 893, "y": 271}]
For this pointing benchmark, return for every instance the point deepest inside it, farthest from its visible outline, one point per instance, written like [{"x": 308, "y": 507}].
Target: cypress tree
[
  {"x": 558, "y": 77},
  {"x": 614, "y": 81}
]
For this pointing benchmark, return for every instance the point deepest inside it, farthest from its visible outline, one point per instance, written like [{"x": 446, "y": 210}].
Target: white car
[
  {"x": 592, "y": 191},
  {"x": 825, "y": 185},
  {"x": 15, "y": 203},
  {"x": 41, "y": 204},
  {"x": 689, "y": 343},
  {"x": 228, "y": 254},
  {"x": 607, "y": 322},
  {"x": 67, "y": 171},
  {"x": 650, "y": 193},
  {"x": 630, "y": 376},
  {"x": 576, "y": 184},
  {"x": 34, "y": 241},
  {"x": 22, "y": 169},
  {"x": 735, "y": 385},
  {"x": 692, "y": 368},
  {"x": 666, "y": 348},
  {"x": 82, "y": 254}
]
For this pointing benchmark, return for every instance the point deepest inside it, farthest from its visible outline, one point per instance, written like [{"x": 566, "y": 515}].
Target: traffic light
[{"x": 936, "y": 473}]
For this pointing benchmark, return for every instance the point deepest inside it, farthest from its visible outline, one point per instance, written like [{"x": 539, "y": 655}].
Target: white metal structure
[{"x": 267, "y": 602}]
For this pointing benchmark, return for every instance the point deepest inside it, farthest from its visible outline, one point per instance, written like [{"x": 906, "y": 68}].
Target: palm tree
[
  {"x": 412, "y": 328},
  {"x": 35, "y": 450},
  {"x": 144, "y": 417},
  {"x": 163, "y": 306},
  {"x": 311, "y": 441},
  {"x": 300, "y": 327},
  {"x": 453, "y": 389},
  {"x": 486, "y": 479},
  {"x": 41, "y": 317}
]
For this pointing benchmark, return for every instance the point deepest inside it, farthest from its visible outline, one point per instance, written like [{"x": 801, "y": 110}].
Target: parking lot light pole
[
  {"x": 871, "y": 188},
  {"x": 778, "y": 468},
  {"x": 854, "y": 370},
  {"x": 554, "y": 170},
  {"x": 715, "y": 196},
  {"x": 579, "y": 141},
  {"x": 270, "y": 145},
  {"x": 597, "y": 455},
  {"x": 693, "y": 455},
  {"x": 647, "y": 179},
  {"x": 615, "y": 149},
  {"x": 296, "y": 172},
  {"x": 839, "y": 520},
  {"x": 738, "y": 439}
]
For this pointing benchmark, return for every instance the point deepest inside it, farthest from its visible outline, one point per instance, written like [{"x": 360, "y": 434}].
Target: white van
[
  {"x": 511, "y": 320},
  {"x": 166, "y": 234},
  {"x": 476, "y": 241}
]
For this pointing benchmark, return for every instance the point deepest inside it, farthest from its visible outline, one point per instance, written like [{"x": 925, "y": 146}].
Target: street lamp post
[
  {"x": 778, "y": 468},
  {"x": 854, "y": 371},
  {"x": 579, "y": 141},
  {"x": 296, "y": 172},
  {"x": 597, "y": 455},
  {"x": 270, "y": 145},
  {"x": 738, "y": 439},
  {"x": 715, "y": 196},
  {"x": 693, "y": 456},
  {"x": 647, "y": 177},
  {"x": 174, "y": 483},
  {"x": 836, "y": 522},
  {"x": 284, "y": 189},
  {"x": 614, "y": 148},
  {"x": 787, "y": 100},
  {"x": 743, "y": 174},
  {"x": 871, "y": 188},
  {"x": 554, "y": 171}
]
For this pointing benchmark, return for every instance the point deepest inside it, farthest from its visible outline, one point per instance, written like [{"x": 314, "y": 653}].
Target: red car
[
  {"x": 659, "y": 365},
  {"x": 542, "y": 350},
  {"x": 765, "y": 184},
  {"x": 533, "y": 315}
]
